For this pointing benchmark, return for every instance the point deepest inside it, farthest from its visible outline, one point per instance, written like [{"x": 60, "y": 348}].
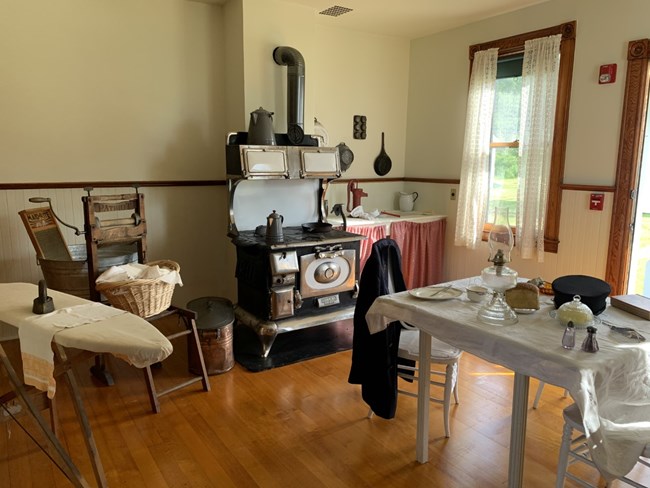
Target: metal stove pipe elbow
[{"x": 290, "y": 57}]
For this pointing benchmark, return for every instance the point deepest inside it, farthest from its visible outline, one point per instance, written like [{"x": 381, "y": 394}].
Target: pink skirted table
[
  {"x": 373, "y": 233},
  {"x": 423, "y": 249},
  {"x": 421, "y": 241}
]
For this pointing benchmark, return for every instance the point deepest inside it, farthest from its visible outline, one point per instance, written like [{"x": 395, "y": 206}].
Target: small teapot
[
  {"x": 274, "y": 227},
  {"x": 406, "y": 201},
  {"x": 260, "y": 128}
]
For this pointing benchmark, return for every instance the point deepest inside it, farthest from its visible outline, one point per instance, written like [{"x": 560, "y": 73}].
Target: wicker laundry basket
[{"x": 143, "y": 297}]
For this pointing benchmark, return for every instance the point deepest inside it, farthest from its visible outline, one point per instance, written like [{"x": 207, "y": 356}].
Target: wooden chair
[
  {"x": 575, "y": 449},
  {"x": 132, "y": 229},
  {"x": 441, "y": 354}
]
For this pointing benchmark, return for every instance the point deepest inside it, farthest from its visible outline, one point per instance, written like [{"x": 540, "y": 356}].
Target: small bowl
[{"x": 476, "y": 293}]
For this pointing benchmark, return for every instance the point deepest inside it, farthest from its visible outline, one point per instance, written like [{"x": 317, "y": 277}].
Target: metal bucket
[
  {"x": 72, "y": 276},
  {"x": 214, "y": 324}
]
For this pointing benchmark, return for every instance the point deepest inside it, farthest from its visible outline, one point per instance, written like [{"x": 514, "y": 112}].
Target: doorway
[
  {"x": 639, "y": 276},
  {"x": 627, "y": 273}
]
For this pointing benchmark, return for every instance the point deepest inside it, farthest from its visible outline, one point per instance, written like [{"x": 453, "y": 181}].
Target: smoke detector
[{"x": 335, "y": 11}]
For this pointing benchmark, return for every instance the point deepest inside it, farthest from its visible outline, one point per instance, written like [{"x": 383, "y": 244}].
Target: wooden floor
[{"x": 298, "y": 426}]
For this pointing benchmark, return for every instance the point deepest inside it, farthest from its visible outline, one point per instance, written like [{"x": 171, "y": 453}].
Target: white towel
[
  {"x": 134, "y": 271},
  {"x": 36, "y": 334},
  {"x": 359, "y": 213}
]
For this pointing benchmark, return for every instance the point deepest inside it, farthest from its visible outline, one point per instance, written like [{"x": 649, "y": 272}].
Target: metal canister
[{"x": 214, "y": 323}]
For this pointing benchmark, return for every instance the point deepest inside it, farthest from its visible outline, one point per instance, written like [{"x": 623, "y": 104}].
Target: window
[{"x": 504, "y": 138}]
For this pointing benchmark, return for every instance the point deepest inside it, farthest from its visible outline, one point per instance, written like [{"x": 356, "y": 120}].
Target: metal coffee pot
[
  {"x": 274, "y": 227},
  {"x": 260, "y": 128}
]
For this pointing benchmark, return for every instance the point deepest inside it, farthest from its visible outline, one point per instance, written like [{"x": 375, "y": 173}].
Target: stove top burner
[{"x": 295, "y": 237}]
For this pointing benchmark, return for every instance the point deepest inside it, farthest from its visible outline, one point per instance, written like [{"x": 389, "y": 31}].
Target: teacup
[{"x": 476, "y": 293}]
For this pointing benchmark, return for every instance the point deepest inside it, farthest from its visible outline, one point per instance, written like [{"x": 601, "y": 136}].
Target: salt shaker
[
  {"x": 590, "y": 344},
  {"x": 569, "y": 337}
]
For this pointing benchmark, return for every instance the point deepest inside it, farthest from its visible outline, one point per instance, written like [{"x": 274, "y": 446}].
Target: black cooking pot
[
  {"x": 316, "y": 227},
  {"x": 593, "y": 291}
]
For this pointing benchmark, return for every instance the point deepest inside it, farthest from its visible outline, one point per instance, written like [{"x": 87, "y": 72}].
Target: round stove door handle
[{"x": 327, "y": 272}]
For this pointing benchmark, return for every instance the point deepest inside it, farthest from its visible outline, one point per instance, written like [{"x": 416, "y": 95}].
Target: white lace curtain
[
  {"x": 540, "y": 73},
  {"x": 538, "y": 101},
  {"x": 475, "y": 169}
]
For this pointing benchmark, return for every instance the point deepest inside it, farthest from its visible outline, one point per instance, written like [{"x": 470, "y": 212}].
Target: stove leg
[
  {"x": 267, "y": 334},
  {"x": 266, "y": 331}
]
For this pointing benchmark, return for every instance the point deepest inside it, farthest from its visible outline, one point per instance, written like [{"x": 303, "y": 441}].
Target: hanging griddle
[{"x": 383, "y": 163}]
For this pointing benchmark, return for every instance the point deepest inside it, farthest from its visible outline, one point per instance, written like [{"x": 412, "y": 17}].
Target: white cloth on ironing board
[
  {"x": 125, "y": 336},
  {"x": 36, "y": 334}
]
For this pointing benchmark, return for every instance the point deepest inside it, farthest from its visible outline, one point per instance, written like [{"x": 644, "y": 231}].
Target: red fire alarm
[
  {"x": 607, "y": 74},
  {"x": 596, "y": 201}
]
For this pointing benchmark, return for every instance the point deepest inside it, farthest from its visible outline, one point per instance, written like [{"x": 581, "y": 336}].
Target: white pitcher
[{"x": 406, "y": 201}]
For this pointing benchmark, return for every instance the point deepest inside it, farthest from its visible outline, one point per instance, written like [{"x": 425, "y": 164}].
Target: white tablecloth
[
  {"x": 125, "y": 335},
  {"x": 611, "y": 387}
]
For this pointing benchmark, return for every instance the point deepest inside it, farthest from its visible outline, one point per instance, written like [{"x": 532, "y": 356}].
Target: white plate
[
  {"x": 525, "y": 311},
  {"x": 436, "y": 293}
]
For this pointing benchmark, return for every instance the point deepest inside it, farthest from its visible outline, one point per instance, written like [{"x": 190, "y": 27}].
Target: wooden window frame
[
  {"x": 513, "y": 45},
  {"x": 630, "y": 151}
]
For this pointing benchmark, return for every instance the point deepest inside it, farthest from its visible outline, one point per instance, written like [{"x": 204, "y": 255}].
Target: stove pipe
[{"x": 290, "y": 57}]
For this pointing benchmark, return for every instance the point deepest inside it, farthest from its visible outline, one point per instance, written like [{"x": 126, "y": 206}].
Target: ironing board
[{"x": 125, "y": 336}]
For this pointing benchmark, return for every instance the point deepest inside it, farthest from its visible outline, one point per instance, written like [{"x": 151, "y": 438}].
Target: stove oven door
[{"x": 327, "y": 272}]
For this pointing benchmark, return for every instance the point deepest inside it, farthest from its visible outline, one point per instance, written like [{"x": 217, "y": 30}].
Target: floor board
[{"x": 297, "y": 426}]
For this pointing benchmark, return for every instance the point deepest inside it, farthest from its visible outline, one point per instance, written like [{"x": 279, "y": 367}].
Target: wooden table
[
  {"x": 126, "y": 336},
  {"x": 533, "y": 348}
]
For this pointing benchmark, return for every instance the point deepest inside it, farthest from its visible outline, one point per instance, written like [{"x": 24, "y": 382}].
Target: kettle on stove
[
  {"x": 260, "y": 128},
  {"x": 274, "y": 227}
]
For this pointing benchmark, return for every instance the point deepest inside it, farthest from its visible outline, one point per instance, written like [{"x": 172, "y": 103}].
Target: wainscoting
[{"x": 189, "y": 225}]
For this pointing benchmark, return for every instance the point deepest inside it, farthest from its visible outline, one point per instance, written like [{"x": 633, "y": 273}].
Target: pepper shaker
[
  {"x": 569, "y": 337},
  {"x": 590, "y": 343}
]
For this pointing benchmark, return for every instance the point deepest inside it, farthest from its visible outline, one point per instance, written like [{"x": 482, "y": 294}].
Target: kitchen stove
[
  {"x": 294, "y": 283},
  {"x": 305, "y": 278}
]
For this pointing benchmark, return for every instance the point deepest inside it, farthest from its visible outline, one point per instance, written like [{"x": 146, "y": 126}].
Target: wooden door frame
[{"x": 630, "y": 150}]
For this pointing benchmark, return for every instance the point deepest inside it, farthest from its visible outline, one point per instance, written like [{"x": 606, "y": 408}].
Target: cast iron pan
[
  {"x": 316, "y": 227},
  {"x": 382, "y": 162}
]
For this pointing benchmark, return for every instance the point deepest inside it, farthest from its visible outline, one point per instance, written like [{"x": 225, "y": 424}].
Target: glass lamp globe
[{"x": 499, "y": 277}]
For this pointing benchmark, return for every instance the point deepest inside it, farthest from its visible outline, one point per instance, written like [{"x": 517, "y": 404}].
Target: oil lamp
[{"x": 499, "y": 277}]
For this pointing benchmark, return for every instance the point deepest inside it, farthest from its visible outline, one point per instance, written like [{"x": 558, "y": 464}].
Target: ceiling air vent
[{"x": 335, "y": 11}]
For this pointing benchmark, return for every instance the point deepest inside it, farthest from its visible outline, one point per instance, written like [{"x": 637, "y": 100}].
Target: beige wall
[
  {"x": 120, "y": 90},
  {"x": 439, "y": 77},
  {"x": 347, "y": 73},
  {"x": 436, "y": 119}
]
